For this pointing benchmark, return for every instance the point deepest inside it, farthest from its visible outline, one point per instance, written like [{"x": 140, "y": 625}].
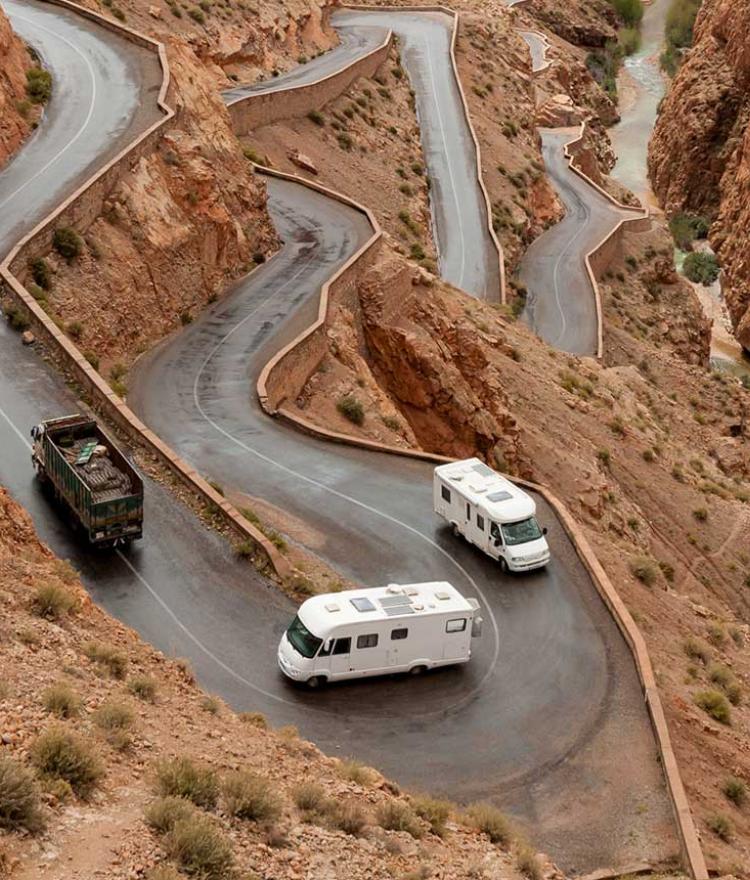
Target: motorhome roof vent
[
  {"x": 482, "y": 469},
  {"x": 332, "y": 606},
  {"x": 411, "y": 591},
  {"x": 502, "y": 495},
  {"x": 393, "y": 588},
  {"x": 442, "y": 595},
  {"x": 418, "y": 607},
  {"x": 362, "y": 603}
]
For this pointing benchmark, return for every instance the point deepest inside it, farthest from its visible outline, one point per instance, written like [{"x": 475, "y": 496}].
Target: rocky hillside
[
  {"x": 114, "y": 764},
  {"x": 699, "y": 157},
  {"x": 190, "y": 217},
  {"x": 15, "y": 106}
]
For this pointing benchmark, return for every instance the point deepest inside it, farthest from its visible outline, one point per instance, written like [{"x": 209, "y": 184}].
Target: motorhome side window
[
  {"x": 446, "y": 493},
  {"x": 342, "y": 646},
  {"x": 495, "y": 531},
  {"x": 397, "y": 634},
  {"x": 480, "y": 522},
  {"x": 455, "y": 626},
  {"x": 368, "y": 641}
]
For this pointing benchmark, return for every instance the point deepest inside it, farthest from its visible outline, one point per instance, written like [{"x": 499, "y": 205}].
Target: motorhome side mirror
[
  {"x": 544, "y": 530},
  {"x": 498, "y": 541}
]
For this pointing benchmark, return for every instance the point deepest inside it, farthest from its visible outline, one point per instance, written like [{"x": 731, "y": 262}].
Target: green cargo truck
[{"x": 91, "y": 477}]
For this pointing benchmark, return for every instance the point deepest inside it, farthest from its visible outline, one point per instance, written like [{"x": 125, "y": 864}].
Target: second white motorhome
[
  {"x": 492, "y": 513},
  {"x": 377, "y": 631}
]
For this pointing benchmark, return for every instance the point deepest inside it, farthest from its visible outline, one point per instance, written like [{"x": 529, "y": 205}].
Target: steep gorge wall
[
  {"x": 14, "y": 62},
  {"x": 699, "y": 157}
]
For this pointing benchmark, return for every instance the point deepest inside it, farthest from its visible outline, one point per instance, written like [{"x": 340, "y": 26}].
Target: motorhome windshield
[
  {"x": 302, "y": 639},
  {"x": 521, "y": 532}
]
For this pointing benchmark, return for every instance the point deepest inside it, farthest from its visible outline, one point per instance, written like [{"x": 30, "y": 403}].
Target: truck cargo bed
[{"x": 106, "y": 481}]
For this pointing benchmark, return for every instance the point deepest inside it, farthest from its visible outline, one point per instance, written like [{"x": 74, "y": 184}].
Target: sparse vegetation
[
  {"x": 257, "y": 719},
  {"x": 351, "y": 408},
  {"x": 721, "y": 826},
  {"x": 310, "y": 797},
  {"x": 67, "y": 242},
  {"x": 143, "y": 686},
  {"x": 199, "y": 848},
  {"x": 250, "y": 796},
  {"x": 41, "y": 273},
  {"x": 52, "y": 602},
  {"x": 715, "y": 704},
  {"x": 182, "y": 777},
  {"x": 492, "y": 822},
  {"x": 644, "y": 569},
  {"x": 527, "y": 862},
  {"x": 685, "y": 228},
  {"x": 399, "y": 816},
  {"x": 435, "y": 812},
  {"x": 735, "y": 790},
  {"x": 61, "y": 700},
  {"x": 679, "y": 32},
  {"x": 38, "y": 85},
  {"x": 316, "y": 117},
  {"x": 701, "y": 268},
  {"x": 107, "y": 658},
  {"x": 349, "y": 817},
  {"x": 697, "y": 649},
  {"x": 164, "y": 813},
  {"x": 61, "y": 754},
  {"x": 355, "y": 771},
  {"x": 20, "y": 806}
]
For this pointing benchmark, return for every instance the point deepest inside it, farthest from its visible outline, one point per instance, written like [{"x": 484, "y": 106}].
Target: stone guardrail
[
  {"x": 452, "y": 13},
  {"x": 255, "y": 110},
  {"x": 85, "y": 204},
  {"x": 600, "y": 255}
]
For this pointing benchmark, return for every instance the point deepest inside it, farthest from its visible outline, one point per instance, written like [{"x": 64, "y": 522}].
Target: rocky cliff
[
  {"x": 699, "y": 158},
  {"x": 14, "y": 108},
  {"x": 190, "y": 217}
]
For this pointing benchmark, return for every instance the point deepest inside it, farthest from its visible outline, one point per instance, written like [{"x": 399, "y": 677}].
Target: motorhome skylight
[
  {"x": 502, "y": 495},
  {"x": 362, "y": 603},
  {"x": 483, "y": 470}
]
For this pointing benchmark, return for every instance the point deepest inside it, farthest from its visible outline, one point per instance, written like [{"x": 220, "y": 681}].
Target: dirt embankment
[
  {"x": 581, "y": 22},
  {"x": 699, "y": 154},
  {"x": 268, "y": 802},
  {"x": 188, "y": 218},
  {"x": 650, "y": 453},
  {"x": 15, "y": 108}
]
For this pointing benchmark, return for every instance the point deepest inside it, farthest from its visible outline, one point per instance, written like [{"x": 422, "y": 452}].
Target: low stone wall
[
  {"x": 256, "y": 110},
  {"x": 285, "y": 375},
  {"x": 86, "y": 202}
]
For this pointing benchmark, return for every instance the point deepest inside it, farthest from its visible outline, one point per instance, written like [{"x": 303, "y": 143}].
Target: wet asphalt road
[
  {"x": 561, "y": 305},
  {"x": 537, "y": 49},
  {"x": 549, "y": 712}
]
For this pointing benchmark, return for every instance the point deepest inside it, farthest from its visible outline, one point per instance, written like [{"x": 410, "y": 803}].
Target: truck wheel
[
  {"x": 316, "y": 682},
  {"x": 503, "y": 565},
  {"x": 417, "y": 670},
  {"x": 456, "y": 530}
]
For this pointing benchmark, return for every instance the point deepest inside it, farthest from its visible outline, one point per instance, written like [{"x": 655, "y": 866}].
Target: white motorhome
[
  {"x": 378, "y": 631},
  {"x": 491, "y": 512}
]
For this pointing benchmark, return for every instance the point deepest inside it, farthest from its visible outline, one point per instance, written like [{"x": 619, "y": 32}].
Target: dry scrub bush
[
  {"x": 52, "y": 602},
  {"x": 714, "y": 704},
  {"x": 434, "y": 812},
  {"x": 399, "y": 816},
  {"x": 181, "y": 777},
  {"x": 61, "y": 700},
  {"x": 257, "y": 719},
  {"x": 199, "y": 848},
  {"x": 163, "y": 872},
  {"x": 527, "y": 862},
  {"x": 210, "y": 704},
  {"x": 108, "y": 658},
  {"x": 143, "y": 687},
  {"x": 348, "y": 816},
  {"x": 310, "y": 797},
  {"x": 113, "y": 716},
  {"x": 721, "y": 826},
  {"x": 60, "y": 754},
  {"x": 735, "y": 790},
  {"x": 163, "y": 814},
  {"x": 19, "y": 797},
  {"x": 249, "y": 796},
  {"x": 355, "y": 771},
  {"x": 697, "y": 649},
  {"x": 491, "y": 821}
]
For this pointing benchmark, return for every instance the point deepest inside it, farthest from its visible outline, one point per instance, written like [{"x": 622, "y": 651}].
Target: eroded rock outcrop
[
  {"x": 699, "y": 158},
  {"x": 188, "y": 218},
  {"x": 14, "y": 62}
]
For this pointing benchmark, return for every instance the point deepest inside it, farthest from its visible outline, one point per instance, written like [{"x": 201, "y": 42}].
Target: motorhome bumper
[
  {"x": 528, "y": 564},
  {"x": 289, "y": 671}
]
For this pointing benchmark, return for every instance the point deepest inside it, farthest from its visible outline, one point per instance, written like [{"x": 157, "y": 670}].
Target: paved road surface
[
  {"x": 561, "y": 305},
  {"x": 537, "y": 49},
  {"x": 548, "y": 714}
]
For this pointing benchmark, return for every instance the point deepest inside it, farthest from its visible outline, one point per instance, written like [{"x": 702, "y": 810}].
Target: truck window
[
  {"x": 480, "y": 522},
  {"x": 445, "y": 492},
  {"x": 468, "y": 512},
  {"x": 368, "y": 641},
  {"x": 397, "y": 634},
  {"x": 494, "y": 530},
  {"x": 342, "y": 646},
  {"x": 455, "y": 626}
]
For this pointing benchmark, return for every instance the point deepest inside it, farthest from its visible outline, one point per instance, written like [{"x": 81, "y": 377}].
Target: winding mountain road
[{"x": 548, "y": 719}]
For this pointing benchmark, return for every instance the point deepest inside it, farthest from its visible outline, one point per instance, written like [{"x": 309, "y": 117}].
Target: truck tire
[
  {"x": 503, "y": 565},
  {"x": 316, "y": 682},
  {"x": 420, "y": 669}
]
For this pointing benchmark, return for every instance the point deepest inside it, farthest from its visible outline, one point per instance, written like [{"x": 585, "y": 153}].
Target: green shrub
[
  {"x": 736, "y": 790},
  {"x": 630, "y": 11},
  {"x": 644, "y": 569},
  {"x": 685, "y": 228},
  {"x": 61, "y": 700},
  {"x": 67, "y": 242},
  {"x": 701, "y": 514},
  {"x": 143, "y": 687},
  {"x": 93, "y": 358},
  {"x": 721, "y": 826},
  {"x": 75, "y": 330},
  {"x": 629, "y": 39},
  {"x": 352, "y": 409},
  {"x": 491, "y": 821},
  {"x": 199, "y": 848},
  {"x": 38, "y": 85},
  {"x": 182, "y": 777},
  {"x": 701, "y": 268},
  {"x": 52, "y": 602},
  {"x": 250, "y": 796},
  {"x": 714, "y": 704},
  {"x": 197, "y": 15},
  {"x": 717, "y": 635},
  {"x": 17, "y": 318},
  {"x": 60, "y": 754},
  {"x": 678, "y": 32},
  {"x": 108, "y": 658},
  {"x": 720, "y": 674},
  {"x": 316, "y": 117},
  {"x": 41, "y": 273},
  {"x": 19, "y": 797},
  {"x": 434, "y": 812},
  {"x": 398, "y": 816},
  {"x": 163, "y": 814}
]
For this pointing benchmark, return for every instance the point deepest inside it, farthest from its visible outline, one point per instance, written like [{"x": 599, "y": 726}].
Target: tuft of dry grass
[
  {"x": 163, "y": 814},
  {"x": 494, "y": 823},
  {"x": 59, "y": 753},
  {"x": 60, "y": 699},
  {"x": 250, "y": 796},
  {"x": 355, "y": 771},
  {"x": 435, "y": 812},
  {"x": 52, "y": 602},
  {"x": 144, "y": 687},
  {"x": 398, "y": 816},
  {"x": 182, "y": 777},
  {"x": 200, "y": 848},
  {"x": 257, "y": 719},
  {"x": 107, "y": 658},
  {"x": 20, "y": 804}
]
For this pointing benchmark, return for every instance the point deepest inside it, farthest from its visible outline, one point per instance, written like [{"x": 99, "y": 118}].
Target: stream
[{"x": 641, "y": 86}]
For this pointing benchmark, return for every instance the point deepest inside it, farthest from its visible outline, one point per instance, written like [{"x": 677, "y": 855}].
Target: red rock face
[
  {"x": 699, "y": 157},
  {"x": 14, "y": 61}
]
